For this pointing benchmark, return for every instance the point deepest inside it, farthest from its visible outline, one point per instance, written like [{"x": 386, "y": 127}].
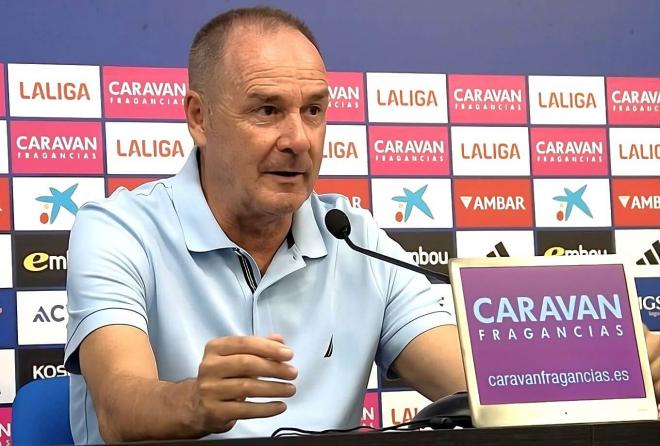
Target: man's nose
[{"x": 294, "y": 136}]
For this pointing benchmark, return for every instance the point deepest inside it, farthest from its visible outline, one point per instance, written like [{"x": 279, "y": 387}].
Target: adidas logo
[
  {"x": 328, "y": 352},
  {"x": 652, "y": 256},
  {"x": 499, "y": 251}
]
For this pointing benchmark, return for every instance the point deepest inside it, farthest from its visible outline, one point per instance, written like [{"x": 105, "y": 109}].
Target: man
[{"x": 200, "y": 303}]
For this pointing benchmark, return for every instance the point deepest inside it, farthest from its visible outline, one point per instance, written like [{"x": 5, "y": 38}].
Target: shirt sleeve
[
  {"x": 412, "y": 305},
  {"x": 107, "y": 276}
]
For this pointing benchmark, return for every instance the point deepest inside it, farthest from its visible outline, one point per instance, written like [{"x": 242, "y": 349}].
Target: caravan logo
[
  {"x": 2, "y": 90},
  {"x": 346, "y": 103},
  {"x": 634, "y": 100},
  {"x": 487, "y": 99},
  {"x": 504, "y": 203},
  {"x": 411, "y": 151},
  {"x": 150, "y": 93},
  {"x": 569, "y": 151},
  {"x": 636, "y": 202}
]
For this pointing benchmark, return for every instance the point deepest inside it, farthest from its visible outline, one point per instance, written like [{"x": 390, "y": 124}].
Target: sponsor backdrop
[{"x": 461, "y": 139}]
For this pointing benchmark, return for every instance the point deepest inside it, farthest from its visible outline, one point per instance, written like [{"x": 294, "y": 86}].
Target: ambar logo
[
  {"x": 487, "y": 99},
  {"x": 407, "y": 97},
  {"x": 502, "y": 203},
  {"x": 356, "y": 190},
  {"x": 410, "y": 151},
  {"x": 346, "y": 103},
  {"x": 636, "y": 202},
  {"x": 569, "y": 151},
  {"x": 634, "y": 100},
  {"x": 141, "y": 92},
  {"x": 56, "y": 147},
  {"x": 41, "y": 259},
  {"x": 54, "y": 91}
]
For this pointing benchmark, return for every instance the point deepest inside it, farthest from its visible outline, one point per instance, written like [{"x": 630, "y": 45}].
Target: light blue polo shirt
[{"x": 155, "y": 258}]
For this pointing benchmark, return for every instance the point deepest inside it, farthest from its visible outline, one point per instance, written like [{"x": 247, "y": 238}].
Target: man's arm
[
  {"x": 431, "y": 363},
  {"x": 133, "y": 404}
]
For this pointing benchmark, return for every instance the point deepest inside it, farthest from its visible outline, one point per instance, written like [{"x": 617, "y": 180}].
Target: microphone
[{"x": 339, "y": 226}]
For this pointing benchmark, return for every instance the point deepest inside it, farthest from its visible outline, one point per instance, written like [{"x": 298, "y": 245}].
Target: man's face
[{"x": 266, "y": 123}]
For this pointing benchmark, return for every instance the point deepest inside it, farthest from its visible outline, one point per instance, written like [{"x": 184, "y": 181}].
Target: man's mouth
[{"x": 285, "y": 173}]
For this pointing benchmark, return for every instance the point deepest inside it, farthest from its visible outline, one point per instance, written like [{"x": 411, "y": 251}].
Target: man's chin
[{"x": 282, "y": 204}]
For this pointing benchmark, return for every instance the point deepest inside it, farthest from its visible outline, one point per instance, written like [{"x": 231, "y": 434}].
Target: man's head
[{"x": 256, "y": 108}]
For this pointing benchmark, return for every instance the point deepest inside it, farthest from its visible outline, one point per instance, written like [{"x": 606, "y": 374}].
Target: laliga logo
[
  {"x": 571, "y": 199},
  {"x": 649, "y": 303},
  {"x": 59, "y": 91}
]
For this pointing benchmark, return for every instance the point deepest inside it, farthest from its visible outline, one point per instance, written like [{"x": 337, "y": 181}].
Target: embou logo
[{"x": 40, "y": 261}]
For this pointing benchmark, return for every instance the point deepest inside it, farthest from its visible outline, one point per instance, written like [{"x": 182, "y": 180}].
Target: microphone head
[{"x": 337, "y": 223}]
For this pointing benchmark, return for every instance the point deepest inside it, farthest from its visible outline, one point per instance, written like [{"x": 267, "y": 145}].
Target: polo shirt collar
[{"x": 201, "y": 230}]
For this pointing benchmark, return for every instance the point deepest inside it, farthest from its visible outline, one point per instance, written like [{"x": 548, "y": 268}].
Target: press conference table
[{"x": 606, "y": 434}]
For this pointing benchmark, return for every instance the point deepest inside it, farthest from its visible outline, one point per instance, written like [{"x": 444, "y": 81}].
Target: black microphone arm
[{"x": 339, "y": 226}]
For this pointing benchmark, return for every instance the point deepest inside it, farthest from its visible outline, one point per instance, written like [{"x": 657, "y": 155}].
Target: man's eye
[
  {"x": 315, "y": 110},
  {"x": 267, "y": 110}
]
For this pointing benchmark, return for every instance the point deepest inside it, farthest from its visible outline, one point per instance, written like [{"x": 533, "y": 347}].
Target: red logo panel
[
  {"x": 56, "y": 147},
  {"x": 569, "y": 151},
  {"x": 633, "y": 100},
  {"x": 5, "y": 426},
  {"x": 486, "y": 203},
  {"x": 346, "y": 97},
  {"x": 5, "y": 208},
  {"x": 129, "y": 183},
  {"x": 487, "y": 99},
  {"x": 636, "y": 202},
  {"x": 144, "y": 92},
  {"x": 3, "y": 109},
  {"x": 371, "y": 410},
  {"x": 356, "y": 190},
  {"x": 408, "y": 150}
]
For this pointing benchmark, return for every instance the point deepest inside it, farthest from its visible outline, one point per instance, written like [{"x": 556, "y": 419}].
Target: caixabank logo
[
  {"x": 430, "y": 250},
  {"x": 636, "y": 202},
  {"x": 346, "y": 103},
  {"x": 54, "y": 91},
  {"x": 141, "y": 92},
  {"x": 641, "y": 249},
  {"x": 484, "y": 151},
  {"x": 574, "y": 243},
  {"x": 407, "y": 97},
  {"x": 4, "y": 153},
  {"x": 494, "y": 243},
  {"x": 633, "y": 100},
  {"x": 648, "y": 296},
  {"x": 568, "y": 151},
  {"x": 345, "y": 150},
  {"x": 478, "y": 99},
  {"x": 635, "y": 151},
  {"x": 6, "y": 269},
  {"x": 408, "y": 151},
  {"x": 567, "y": 100},
  {"x": 56, "y": 147},
  {"x": 412, "y": 203},
  {"x": 5, "y": 205},
  {"x": 41, "y": 259},
  {"x": 572, "y": 202},
  {"x": 497, "y": 203},
  {"x": 130, "y": 183},
  {"x": 7, "y": 376},
  {"x": 147, "y": 148},
  {"x": 41, "y": 317},
  {"x": 7, "y": 319},
  {"x": 39, "y": 363},
  {"x": 356, "y": 190},
  {"x": 51, "y": 204}
]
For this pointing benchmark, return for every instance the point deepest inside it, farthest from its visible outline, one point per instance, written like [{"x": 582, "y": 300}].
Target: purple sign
[{"x": 551, "y": 333}]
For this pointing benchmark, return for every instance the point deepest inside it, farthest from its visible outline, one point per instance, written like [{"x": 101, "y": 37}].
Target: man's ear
[{"x": 196, "y": 118}]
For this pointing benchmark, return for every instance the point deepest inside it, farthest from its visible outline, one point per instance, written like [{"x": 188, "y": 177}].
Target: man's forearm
[{"x": 132, "y": 408}]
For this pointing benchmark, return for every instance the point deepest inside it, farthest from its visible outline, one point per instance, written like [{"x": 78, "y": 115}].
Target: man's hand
[
  {"x": 653, "y": 348},
  {"x": 231, "y": 371}
]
